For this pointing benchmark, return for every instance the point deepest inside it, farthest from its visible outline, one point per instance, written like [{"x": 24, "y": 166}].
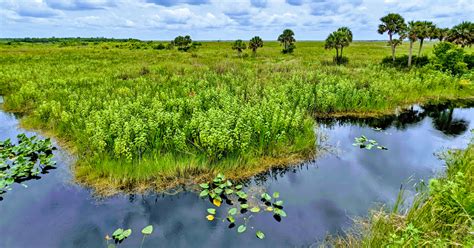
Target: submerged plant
[
  {"x": 364, "y": 142},
  {"x": 240, "y": 206},
  {"x": 24, "y": 161}
]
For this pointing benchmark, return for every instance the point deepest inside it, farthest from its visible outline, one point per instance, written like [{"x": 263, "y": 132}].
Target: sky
[{"x": 217, "y": 19}]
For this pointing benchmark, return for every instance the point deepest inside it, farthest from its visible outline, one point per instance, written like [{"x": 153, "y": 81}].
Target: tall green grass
[
  {"x": 440, "y": 216},
  {"x": 128, "y": 111}
]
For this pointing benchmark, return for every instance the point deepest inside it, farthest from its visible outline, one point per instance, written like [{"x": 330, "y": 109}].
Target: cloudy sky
[{"x": 216, "y": 19}]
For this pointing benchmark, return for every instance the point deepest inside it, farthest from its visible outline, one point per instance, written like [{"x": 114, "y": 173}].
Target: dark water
[{"x": 320, "y": 197}]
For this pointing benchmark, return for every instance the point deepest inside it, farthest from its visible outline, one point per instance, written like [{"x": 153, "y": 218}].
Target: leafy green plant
[
  {"x": 120, "y": 234},
  {"x": 240, "y": 207},
  {"x": 363, "y": 142},
  {"x": 25, "y": 160}
]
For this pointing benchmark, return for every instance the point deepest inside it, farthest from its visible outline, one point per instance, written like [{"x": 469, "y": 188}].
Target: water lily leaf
[
  {"x": 147, "y": 230},
  {"x": 210, "y": 217},
  {"x": 211, "y": 210},
  {"x": 218, "y": 191},
  {"x": 266, "y": 197},
  {"x": 228, "y": 191},
  {"x": 204, "y": 193},
  {"x": 278, "y": 203},
  {"x": 231, "y": 219},
  {"x": 280, "y": 212},
  {"x": 269, "y": 209},
  {"x": 241, "y": 228},
  {"x": 244, "y": 206},
  {"x": 238, "y": 186},
  {"x": 232, "y": 211},
  {"x": 111, "y": 246},
  {"x": 276, "y": 194},
  {"x": 255, "y": 210},
  {"x": 117, "y": 232},
  {"x": 204, "y": 185},
  {"x": 217, "y": 202},
  {"x": 127, "y": 233},
  {"x": 260, "y": 234}
]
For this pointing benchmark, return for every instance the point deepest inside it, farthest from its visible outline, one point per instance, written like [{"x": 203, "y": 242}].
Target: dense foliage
[{"x": 139, "y": 115}]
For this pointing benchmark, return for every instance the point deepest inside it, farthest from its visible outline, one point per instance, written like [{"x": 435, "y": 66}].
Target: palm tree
[
  {"x": 346, "y": 37},
  {"x": 392, "y": 24},
  {"x": 331, "y": 43},
  {"x": 425, "y": 30},
  {"x": 287, "y": 40},
  {"x": 462, "y": 34},
  {"x": 239, "y": 45},
  {"x": 412, "y": 34},
  {"x": 338, "y": 40},
  {"x": 255, "y": 43},
  {"x": 442, "y": 34}
]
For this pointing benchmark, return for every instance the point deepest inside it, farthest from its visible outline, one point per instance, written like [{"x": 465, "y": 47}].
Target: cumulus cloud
[
  {"x": 217, "y": 19},
  {"x": 79, "y": 4},
  {"x": 259, "y": 3},
  {"x": 178, "y": 2}
]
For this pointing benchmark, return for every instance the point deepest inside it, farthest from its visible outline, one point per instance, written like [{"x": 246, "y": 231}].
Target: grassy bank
[
  {"x": 440, "y": 216},
  {"x": 151, "y": 117}
]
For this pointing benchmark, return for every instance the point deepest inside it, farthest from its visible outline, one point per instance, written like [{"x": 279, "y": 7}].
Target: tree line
[{"x": 394, "y": 25}]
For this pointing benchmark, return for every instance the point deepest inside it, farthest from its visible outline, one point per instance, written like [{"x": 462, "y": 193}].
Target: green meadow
[{"x": 137, "y": 117}]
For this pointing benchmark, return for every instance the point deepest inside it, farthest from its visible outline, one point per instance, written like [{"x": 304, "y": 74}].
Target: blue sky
[{"x": 216, "y": 19}]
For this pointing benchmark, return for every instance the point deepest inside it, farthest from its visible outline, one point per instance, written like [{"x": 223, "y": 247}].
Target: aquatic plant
[
  {"x": 120, "y": 234},
  {"x": 241, "y": 204},
  {"x": 364, "y": 142},
  {"x": 24, "y": 161}
]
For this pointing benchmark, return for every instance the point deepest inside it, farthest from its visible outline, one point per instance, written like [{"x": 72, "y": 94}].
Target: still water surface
[{"x": 321, "y": 197}]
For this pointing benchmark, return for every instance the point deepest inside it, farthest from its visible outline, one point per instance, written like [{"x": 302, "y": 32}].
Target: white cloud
[{"x": 216, "y": 19}]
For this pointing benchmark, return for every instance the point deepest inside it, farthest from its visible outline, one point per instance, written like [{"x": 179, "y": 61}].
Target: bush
[
  {"x": 402, "y": 61},
  {"x": 159, "y": 47},
  {"x": 340, "y": 60},
  {"x": 449, "y": 58},
  {"x": 469, "y": 60},
  {"x": 290, "y": 49}
]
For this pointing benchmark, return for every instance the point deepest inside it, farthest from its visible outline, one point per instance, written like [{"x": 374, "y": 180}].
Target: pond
[{"x": 321, "y": 196}]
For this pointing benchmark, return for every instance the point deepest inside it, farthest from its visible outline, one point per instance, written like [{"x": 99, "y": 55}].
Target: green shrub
[
  {"x": 402, "y": 61},
  {"x": 449, "y": 58}
]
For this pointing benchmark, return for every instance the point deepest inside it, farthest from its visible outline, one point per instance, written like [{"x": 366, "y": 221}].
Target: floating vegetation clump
[
  {"x": 24, "y": 161},
  {"x": 120, "y": 234},
  {"x": 364, "y": 142},
  {"x": 241, "y": 205}
]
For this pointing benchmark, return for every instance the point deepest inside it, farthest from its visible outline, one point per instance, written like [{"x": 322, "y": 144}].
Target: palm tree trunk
[
  {"x": 393, "y": 46},
  {"x": 341, "y": 52},
  {"x": 337, "y": 53},
  {"x": 410, "y": 53},
  {"x": 421, "y": 45}
]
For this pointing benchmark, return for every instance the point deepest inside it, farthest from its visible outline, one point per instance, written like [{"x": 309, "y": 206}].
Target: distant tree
[
  {"x": 412, "y": 35},
  {"x": 425, "y": 30},
  {"x": 393, "y": 24},
  {"x": 255, "y": 43},
  {"x": 338, "y": 40},
  {"x": 346, "y": 37},
  {"x": 441, "y": 34},
  {"x": 239, "y": 45},
  {"x": 462, "y": 34},
  {"x": 182, "y": 42},
  {"x": 287, "y": 39}
]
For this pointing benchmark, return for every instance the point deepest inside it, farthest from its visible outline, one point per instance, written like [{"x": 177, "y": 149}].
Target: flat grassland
[{"x": 145, "y": 118}]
